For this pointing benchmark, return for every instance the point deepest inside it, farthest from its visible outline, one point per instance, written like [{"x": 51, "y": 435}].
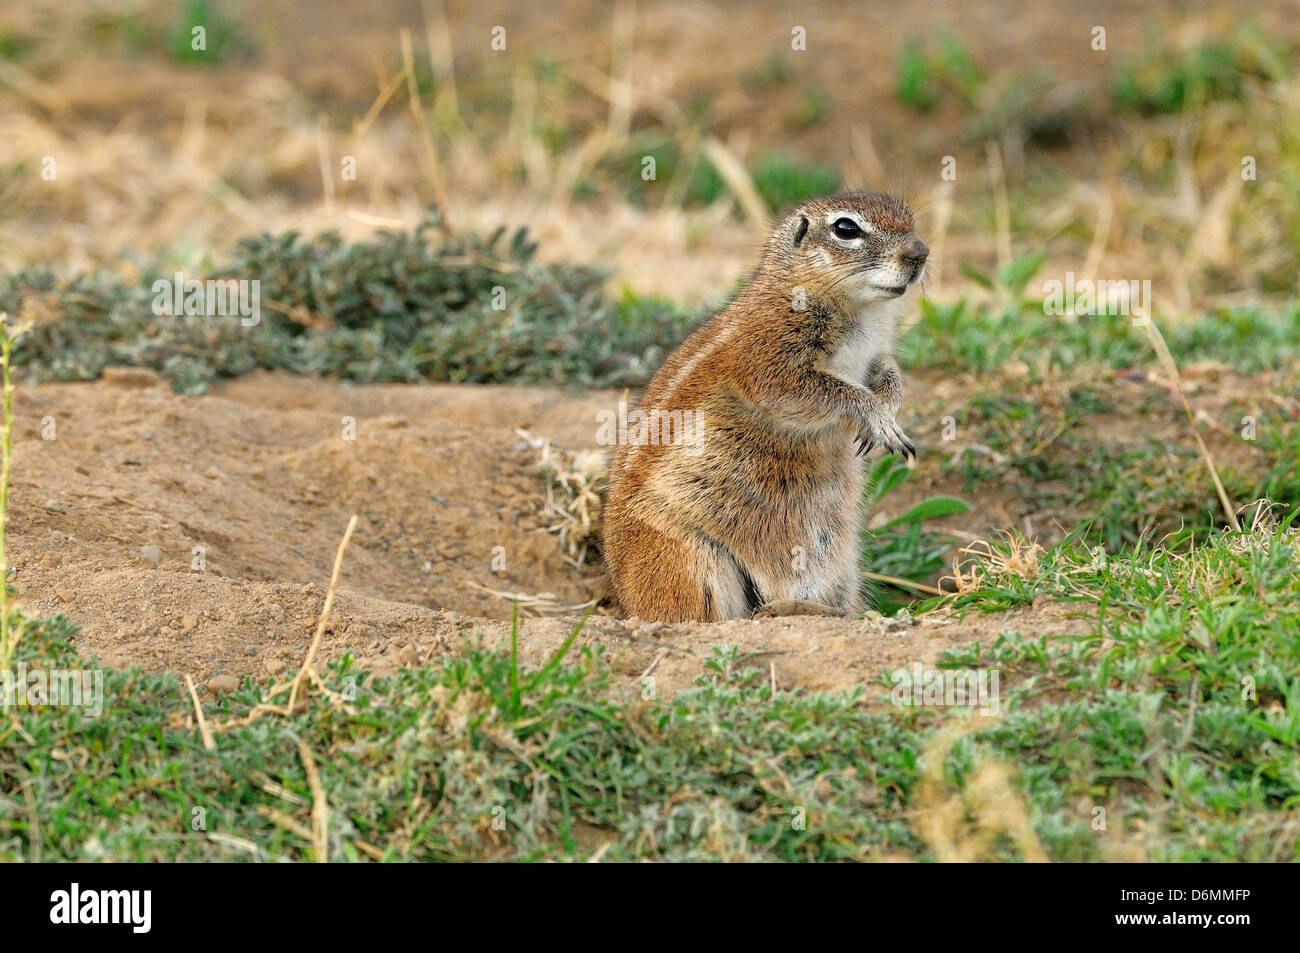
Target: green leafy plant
[
  {"x": 781, "y": 181},
  {"x": 1012, "y": 279},
  {"x": 923, "y": 75},
  {"x": 222, "y": 35},
  {"x": 813, "y": 108},
  {"x": 404, "y": 306},
  {"x": 916, "y": 84},
  {"x": 903, "y": 547},
  {"x": 1169, "y": 81}
]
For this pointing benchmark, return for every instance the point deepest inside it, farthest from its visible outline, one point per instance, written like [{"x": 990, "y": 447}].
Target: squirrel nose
[{"x": 915, "y": 251}]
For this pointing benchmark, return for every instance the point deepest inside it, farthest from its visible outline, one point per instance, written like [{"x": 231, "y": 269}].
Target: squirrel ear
[{"x": 801, "y": 231}]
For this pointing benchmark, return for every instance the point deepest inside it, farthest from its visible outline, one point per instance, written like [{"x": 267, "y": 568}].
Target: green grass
[
  {"x": 420, "y": 764},
  {"x": 781, "y": 181},
  {"x": 812, "y": 109},
  {"x": 1169, "y": 82},
  {"x": 985, "y": 338},
  {"x": 784, "y": 182},
  {"x": 13, "y": 46},
  {"x": 925, "y": 75},
  {"x": 1171, "y": 704},
  {"x": 1052, "y": 400},
  {"x": 915, "y": 85},
  {"x": 1176, "y": 705},
  {"x": 904, "y": 546},
  {"x": 772, "y": 73},
  {"x": 1068, "y": 449},
  {"x": 223, "y": 36}
]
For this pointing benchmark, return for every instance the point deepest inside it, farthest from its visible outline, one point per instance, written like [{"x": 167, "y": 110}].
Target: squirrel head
[{"x": 860, "y": 247}]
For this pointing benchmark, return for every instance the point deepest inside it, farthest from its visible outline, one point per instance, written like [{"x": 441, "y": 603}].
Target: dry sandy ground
[{"x": 105, "y": 520}]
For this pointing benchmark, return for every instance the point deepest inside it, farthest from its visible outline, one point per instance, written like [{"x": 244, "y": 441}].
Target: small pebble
[{"x": 223, "y": 684}]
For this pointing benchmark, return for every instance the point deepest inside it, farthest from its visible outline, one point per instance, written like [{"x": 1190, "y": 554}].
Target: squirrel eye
[{"x": 847, "y": 228}]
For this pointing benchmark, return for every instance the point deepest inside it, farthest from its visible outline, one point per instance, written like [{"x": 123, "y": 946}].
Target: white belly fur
[{"x": 871, "y": 337}]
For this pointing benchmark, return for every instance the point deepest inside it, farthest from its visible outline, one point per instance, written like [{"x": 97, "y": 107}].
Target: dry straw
[
  {"x": 964, "y": 825},
  {"x": 1175, "y": 381},
  {"x": 306, "y": 671}
]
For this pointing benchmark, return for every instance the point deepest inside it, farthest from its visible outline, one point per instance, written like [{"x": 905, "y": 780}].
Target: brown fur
[{"x": 787, "y": 383}]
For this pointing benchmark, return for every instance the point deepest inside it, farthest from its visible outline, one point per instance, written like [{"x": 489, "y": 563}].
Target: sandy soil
[{"x": 106, "y": 517}]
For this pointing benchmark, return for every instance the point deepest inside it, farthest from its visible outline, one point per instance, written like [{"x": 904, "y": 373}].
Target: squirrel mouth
[{"x": 894, "y": 290}]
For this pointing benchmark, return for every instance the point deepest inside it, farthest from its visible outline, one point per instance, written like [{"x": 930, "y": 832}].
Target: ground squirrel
[{"x": 750, "y": 503}]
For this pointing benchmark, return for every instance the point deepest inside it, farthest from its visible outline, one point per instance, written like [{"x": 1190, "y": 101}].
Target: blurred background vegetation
[{"x": 1123, "y": 162}]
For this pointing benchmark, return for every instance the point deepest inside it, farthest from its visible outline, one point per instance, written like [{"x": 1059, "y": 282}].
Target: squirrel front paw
[{"x": 886, "y": 433}]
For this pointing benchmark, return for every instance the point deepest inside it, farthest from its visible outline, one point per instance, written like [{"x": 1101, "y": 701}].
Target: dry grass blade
[
  {"x": 323, "y": 156},
  {"x": 739, "y": 181},
  {"x": 32, "y": 89},
  {"x": 904, "y": 583},
  {"x": 437, "y": 33},
  {"x": 417, "y": 111},
  {"x": 575, "y": 488},
  {"x": 324, "y": 614},
  {"x": 296, "y": 827},
  {"x": 944, "y": 202},
  {"x": 1001, "y": 205},
  {"x": 287, "y": 821},
  {"x": 1175, "y": 380},
  {"x": 622, "y": 81},
  {"x": 542, "y": 603},
  {"x": 380, "y": 101},
  {"x": 963, "y": 825},
  {"x": 1100, "y": 235},
  {"x": 33, "y": 821},
  {"x": 320, "y": 810},
  {"x": 1020, "y": 560},
  {"x": 204, "y": 731},
  {"x": 239, "y": 843}
]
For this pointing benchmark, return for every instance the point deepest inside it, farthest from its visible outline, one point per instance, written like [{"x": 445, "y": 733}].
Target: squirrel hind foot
[{"x": 794, "y": 607}]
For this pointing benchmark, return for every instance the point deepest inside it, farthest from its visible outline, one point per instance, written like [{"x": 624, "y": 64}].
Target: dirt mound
[{"x": 197, "y": 533}]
